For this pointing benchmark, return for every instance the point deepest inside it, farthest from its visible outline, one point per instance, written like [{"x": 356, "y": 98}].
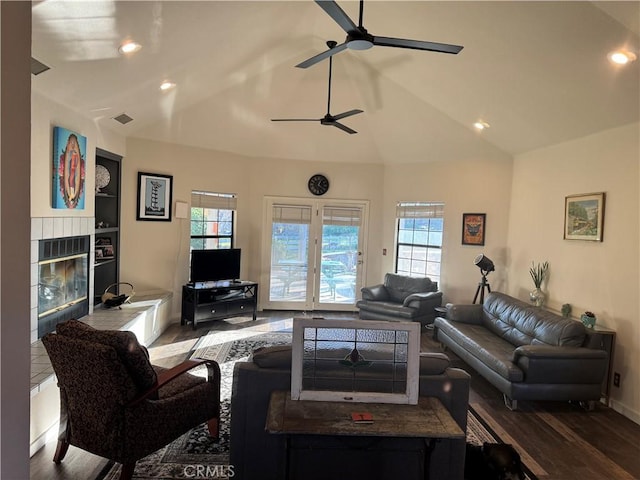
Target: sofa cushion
[
  {"x": 376, "y": 293},
  {"x": 432, "y": 363},
  {"x": 492, "y": 350},
  {"x": 522, "y": 324},
  {"x": 275, "y": 356},
  {"x": 279, "y": 356},
  {"x": 133, "y": 355},
  {"x": 400, "y": 286},
  {"x": 389, "y": 309}
]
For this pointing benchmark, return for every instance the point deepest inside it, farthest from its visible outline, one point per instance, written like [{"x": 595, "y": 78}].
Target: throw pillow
[{"x": 133, "y": 355}]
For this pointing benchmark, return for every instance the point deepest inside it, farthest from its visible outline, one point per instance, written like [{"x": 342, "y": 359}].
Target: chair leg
[
  {"x": 214, "y": 427},
  {"x": 127, "y": 471},
  {"x": 61, "y": 451}
]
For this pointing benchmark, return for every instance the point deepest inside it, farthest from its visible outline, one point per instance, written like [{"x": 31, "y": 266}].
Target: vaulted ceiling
[{"x": 537, "y": 72}]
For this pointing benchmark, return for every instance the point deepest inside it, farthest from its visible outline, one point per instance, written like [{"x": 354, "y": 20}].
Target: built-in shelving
[{"x": 107, "y": 227}]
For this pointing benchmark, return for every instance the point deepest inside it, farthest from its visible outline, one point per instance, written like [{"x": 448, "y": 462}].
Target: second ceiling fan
[
  {"x": 328, "y": 119},
  {"x": 359, "y": 39}
]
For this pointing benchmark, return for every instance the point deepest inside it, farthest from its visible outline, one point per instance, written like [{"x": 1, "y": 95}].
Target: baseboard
[
  {"x": 48, "y": 436},
  {"x": 625, "y": 411}
]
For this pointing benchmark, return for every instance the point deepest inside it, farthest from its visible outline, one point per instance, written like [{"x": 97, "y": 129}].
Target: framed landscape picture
[
  {"x": 584, "y": 216},
  {"x": 154, "y": 197},
  {"x": 473, "y": 228}
]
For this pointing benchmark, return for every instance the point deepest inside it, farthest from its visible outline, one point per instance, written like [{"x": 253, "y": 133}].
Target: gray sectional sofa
[
  {"x": 409, "y": 299},
  {"x": 526, "y": 352},
  {"x": 257, "y": 454}
]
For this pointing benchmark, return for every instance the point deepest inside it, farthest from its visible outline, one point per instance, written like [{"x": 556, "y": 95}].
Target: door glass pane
[
  {"x": 339, "y": 255},
  {"x": 289, "y": 262}
]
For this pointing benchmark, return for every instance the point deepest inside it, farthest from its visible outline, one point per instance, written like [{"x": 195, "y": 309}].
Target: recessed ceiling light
[
  {"x": 167, "y": 85},
  {"x": 129, "y": 47},
  {"x": 622, "y": 57},
  {"x": 480, "y": 125}
]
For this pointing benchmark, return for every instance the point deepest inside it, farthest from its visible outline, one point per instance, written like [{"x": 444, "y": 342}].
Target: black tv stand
[{"x": 206, "y": 301}]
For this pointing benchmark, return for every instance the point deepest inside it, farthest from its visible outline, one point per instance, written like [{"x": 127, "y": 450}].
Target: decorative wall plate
[{"x": 103, "y": 177}]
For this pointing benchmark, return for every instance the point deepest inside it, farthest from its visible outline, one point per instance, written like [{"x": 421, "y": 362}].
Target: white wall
[
  {"x": 478, "y": 185},
  {"x": 45, "y": 115},
  {"x": 159, "y": 255},
  {"x": 601, "y": 277}
]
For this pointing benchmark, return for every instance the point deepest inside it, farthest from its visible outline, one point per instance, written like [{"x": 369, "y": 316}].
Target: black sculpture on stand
[{"x": 486, "y": 266}]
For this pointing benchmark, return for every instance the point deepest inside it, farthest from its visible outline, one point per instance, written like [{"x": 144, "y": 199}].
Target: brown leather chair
[{"x": 115, "y": 404}]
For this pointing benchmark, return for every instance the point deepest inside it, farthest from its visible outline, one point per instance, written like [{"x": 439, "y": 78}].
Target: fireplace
[{"x": 63, "y": 281}]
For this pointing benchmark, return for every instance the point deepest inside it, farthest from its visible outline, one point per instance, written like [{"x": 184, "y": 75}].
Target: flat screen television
[{"x": 215, "y": 265}]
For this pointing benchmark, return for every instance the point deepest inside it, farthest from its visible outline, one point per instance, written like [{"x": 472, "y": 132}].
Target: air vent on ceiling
[
  {"x": 123, "y": 118},
  {"x": 37, "y": 67}
]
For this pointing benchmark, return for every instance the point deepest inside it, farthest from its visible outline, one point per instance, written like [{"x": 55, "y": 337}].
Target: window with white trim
[
  {"x": 419, "y": 239},
  {"x": 212, "y": 220}
]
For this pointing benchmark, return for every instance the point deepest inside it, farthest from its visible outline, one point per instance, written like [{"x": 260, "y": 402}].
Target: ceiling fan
[
  {"x": 328, "y": 119},
  {"x": 359, "y": 39}
]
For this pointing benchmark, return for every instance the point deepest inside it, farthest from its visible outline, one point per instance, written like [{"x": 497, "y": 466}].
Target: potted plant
[
  {"x": 588, "y": 319},
  {"x": 538, "y": 273}
]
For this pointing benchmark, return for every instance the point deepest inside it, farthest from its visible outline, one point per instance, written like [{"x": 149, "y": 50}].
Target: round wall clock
[{"x": 318, "y": 184}]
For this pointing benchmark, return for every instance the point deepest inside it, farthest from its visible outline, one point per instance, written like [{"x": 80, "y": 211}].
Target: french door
[{"x": 314, "y": 253}]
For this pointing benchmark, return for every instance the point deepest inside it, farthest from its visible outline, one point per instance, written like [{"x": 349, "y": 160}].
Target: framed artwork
[
  {"x": 154, "y": 197},
  {"x": 69, "y": 162},
  {"x": 584, "y": 216},
  {"x": 473, "y": 228}
]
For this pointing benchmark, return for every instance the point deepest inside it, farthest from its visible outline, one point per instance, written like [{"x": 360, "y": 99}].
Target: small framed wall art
[
  {"x": 154, "y": 197},
  {"x": 584, "y": 216},
  {"x": 473, "y": 228}
]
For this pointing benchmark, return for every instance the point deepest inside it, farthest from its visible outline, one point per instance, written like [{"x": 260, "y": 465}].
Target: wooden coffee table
[{"x": 428, "y": 420}]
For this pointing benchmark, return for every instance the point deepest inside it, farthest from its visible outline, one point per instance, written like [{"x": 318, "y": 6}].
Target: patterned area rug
[{"x": 195, "y": 454}]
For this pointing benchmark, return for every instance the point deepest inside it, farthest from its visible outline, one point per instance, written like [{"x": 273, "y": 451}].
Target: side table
[{"x": 602, "y": 338}]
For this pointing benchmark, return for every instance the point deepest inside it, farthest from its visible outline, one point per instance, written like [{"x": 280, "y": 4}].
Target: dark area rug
[{"x": 196, "y": 455}]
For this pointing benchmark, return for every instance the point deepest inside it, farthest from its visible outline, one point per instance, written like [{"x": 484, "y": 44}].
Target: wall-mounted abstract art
[
  {"x": 473, "y": 228},
  {"x": 69, "y": 165}
]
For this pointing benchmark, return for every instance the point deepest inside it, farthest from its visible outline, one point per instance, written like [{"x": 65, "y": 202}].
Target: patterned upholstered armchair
[{"x": 115, "y": 404}]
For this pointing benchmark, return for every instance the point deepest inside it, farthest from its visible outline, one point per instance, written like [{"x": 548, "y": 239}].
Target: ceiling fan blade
[
  {"x": 340, "y": 126},
  {"x": 296, "y": 119},
  {"x": 338, "y": 15},
  {"x": 340, "y": 116},
  {"x": 321, "y": 56},
  {"x": 417, "y": 45}
]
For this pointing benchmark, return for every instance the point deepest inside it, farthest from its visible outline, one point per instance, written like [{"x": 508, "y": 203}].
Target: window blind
[
  {"x": 342, "y": 216},
  {"x": 419, "y": 210},
  {"x": 221, "y": 201},
  {"x": 291, "y": 214}
]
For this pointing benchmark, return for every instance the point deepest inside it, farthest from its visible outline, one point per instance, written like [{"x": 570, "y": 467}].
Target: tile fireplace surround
[{"x": 44, "y": 228}]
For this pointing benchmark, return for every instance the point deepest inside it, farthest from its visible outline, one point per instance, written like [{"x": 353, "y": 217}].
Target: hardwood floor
[{"x": 558, "y": 441}]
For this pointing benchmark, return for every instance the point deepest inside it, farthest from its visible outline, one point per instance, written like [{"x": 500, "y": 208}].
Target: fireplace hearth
[{"x": 63, "y": 281}]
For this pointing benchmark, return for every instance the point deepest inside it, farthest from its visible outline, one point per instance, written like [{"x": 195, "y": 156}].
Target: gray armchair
[{"x": 401, "y": 298}]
